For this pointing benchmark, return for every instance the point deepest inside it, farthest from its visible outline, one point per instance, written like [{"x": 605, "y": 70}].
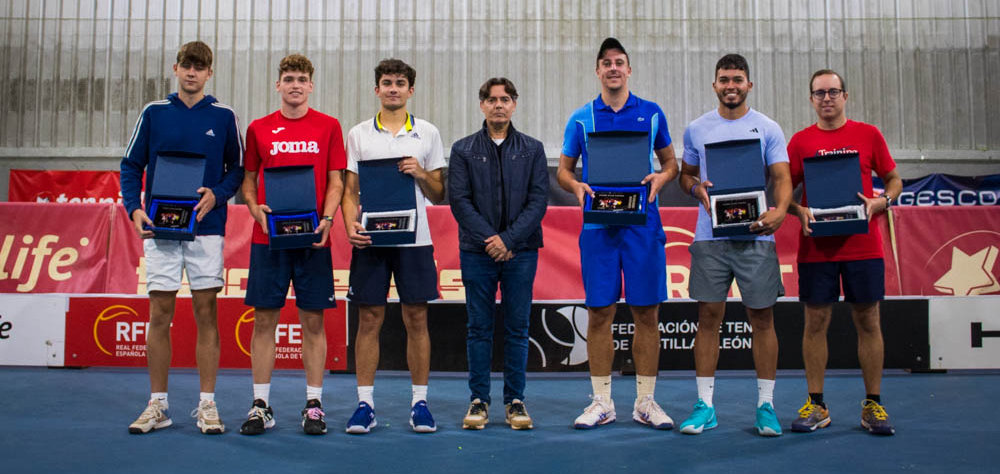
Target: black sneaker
[
  {"x": 259, "y": 418},
  {"x": 312, "y": 418}
]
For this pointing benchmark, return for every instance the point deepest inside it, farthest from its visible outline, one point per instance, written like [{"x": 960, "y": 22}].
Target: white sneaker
[
  {"x": 600, "y": 412},
  {"x": 648, "y": 412},
  {"x": 208, "y": 418},
  {"x": 154, "y": 417}
]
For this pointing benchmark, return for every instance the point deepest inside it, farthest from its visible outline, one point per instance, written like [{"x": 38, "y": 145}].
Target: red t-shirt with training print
[
  {"x": 870, "y": 145},
  {"x": 275, "y": 140}
]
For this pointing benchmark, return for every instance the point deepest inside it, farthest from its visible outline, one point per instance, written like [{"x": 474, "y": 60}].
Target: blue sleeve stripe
[
  {"x": 236, "y": 120},
  {"x": 138, "y": 125}
]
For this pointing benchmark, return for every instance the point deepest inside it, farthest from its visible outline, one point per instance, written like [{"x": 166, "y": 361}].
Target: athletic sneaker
[
  {"x": 420, "y": 418},
  {"x": 648, "y": 412},
  {"x": 259, "y": 418},
  {"x": 767, "y": 422},
  {"x": 154, "y": 417},
  {"x": 702, "y": 418},
  {"x": 875, "y": 419},
  {"x": 599, "y": 412},
  {"x": 517, "y": 416},
  {"x": 477, "y": 417},
  {"x": 811, "y": 417},
  {"x": 312, "y": 418},
  {"x": 363, "y": 419},
  {"x": 208, "y": 418}
]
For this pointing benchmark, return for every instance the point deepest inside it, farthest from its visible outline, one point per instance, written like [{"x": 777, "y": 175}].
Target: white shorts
[{"x": 167, "y": 259}]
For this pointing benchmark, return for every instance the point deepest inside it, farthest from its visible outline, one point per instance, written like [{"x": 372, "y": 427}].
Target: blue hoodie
[{"x": 209, "y": 128}]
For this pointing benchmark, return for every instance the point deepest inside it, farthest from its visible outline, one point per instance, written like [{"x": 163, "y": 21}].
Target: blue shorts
[
  {"x": 635, "y": 251},
  {"x": 413, "y": 267},
  {"x": 863, "y": 281},
  {"x": 309, "y": 269}
]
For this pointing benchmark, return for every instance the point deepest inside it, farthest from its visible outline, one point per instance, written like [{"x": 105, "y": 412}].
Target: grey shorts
[{"x": 753, "y": 263}]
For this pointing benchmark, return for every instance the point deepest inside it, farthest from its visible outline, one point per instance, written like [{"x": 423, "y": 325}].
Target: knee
[{"x": 761, "y": 320}]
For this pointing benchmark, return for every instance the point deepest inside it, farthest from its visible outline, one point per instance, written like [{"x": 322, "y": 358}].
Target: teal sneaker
[
  {"x": 703, "y": 418},
  {"x": 767, "y": 422}
]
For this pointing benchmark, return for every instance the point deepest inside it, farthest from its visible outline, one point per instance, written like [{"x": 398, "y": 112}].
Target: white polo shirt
[{"x": 418, "y": 138}]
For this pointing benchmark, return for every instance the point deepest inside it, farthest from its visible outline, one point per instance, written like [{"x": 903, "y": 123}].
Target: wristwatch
[
  {"x": 888, "y": 200},
  {"x": 328, "y": 218}
]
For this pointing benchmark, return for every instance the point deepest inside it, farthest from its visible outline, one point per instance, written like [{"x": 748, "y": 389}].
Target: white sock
[
  {"x": 706, "y": 388},
  {"x": 366, "y": 393},
  {"x": 262, "y": 391},
  {"x": 765, "y": 392},
  {"x": 162, "y": 397},
  {"x": 206, "y": 396},
  {"x": 601, "y": 385},
  {"x": 644, "y": 385},
  {"x": 419, "y": 394},
  {"x": 314, "y": 393}
]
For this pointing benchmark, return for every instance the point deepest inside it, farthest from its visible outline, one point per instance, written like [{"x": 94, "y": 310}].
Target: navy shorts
[
  {"x": 309, "y": 270},
  {"x": 413, "y": 268},
  {"x": 863, "y": 281},
  {"x": 635, "y": 251}
]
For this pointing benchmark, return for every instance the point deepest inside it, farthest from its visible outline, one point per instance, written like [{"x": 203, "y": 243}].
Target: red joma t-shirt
[{"x": 313, "y": 139}]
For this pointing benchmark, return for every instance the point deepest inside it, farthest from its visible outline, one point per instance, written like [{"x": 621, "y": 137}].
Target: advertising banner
[
  {"x": 964, "y": 333},
  {"x": 58, "y": 186},
  {"x": 948, "y": 190},
  {"x": 32, "y": 329},
  {"x": 111, "y": 331}
]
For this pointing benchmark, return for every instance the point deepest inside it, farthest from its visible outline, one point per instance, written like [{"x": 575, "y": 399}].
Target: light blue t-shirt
[
  {"x": 713, "y": 128},
  {"x": 636, "y": 115}
]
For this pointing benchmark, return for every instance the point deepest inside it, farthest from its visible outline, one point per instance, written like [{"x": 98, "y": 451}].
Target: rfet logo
[
  {"x": 119, "y": 331},
  {"x": 287, "y": 337},
  {"x": 965, "y": 265}
]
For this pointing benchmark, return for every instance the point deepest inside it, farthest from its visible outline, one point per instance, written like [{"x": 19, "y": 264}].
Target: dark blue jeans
[{"x": 480, "y": 275}]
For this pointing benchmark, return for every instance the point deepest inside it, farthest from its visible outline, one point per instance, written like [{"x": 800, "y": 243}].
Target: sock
[
  {"x": 706, "y": 388},
  {"x": 601, "y": 384},
  {"x": 817, "y": 399},
  {"x": 765, "y": 392},
  {"x": 366, "y": 393},
  {"x": 877, "y": 398},
  {"x": 644, "y": 385},
  {"x": 262, "y": 391},
  {"x": 314, "y": 393},
  {"x": 162, "y": 397},
  {"x": 206, "y": 396},
  {"x": 419, "y": 394}
]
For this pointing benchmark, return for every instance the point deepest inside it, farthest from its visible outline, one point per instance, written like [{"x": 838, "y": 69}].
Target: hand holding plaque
[
  {"x": 388, "y": 201},
  {"x": 291, "y": 196},
  {"x": 174, "y": 195},
  {"x": 617, "y": 163},
  {"x": 736, "y": 198},
  {"x": 832, "y": 184}
]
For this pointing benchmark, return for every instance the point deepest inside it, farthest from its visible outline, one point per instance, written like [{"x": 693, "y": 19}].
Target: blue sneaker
[
  {"x": 702, "y": 418},
  {"x": 420, "y": 418},
  {"x": 363, "y": 419},
  {"x": 767, "y": 422}
]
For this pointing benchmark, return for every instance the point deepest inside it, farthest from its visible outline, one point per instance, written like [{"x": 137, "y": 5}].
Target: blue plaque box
[
  {"x": 290, "y": 192},
  {"x": 832, "y": 184},
  {"x": 736, "y": 198},
  {"x": 174, "y": 194},
  {"x": 388, "y": 202},
  {"x": 617, "y": 162}
]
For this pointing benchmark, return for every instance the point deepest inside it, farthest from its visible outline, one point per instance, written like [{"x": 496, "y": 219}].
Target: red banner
[
  {"x": 111, "y": 331},
  {"x": 54, "y": 249},
  {"x": 64, "y": 186},
  {"x": 953, "y": 252},
  {"x": 110, "y": 259}
]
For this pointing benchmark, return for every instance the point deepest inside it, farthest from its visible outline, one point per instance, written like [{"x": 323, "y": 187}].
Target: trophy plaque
[
  {"x": 617, "y": 162},
  {"x": 832, "y": 183},
  {"x": 290, "y": 192},
  {"x": 388, "y": 202},
  {"x": 174, "y": 195},
  {"x": 736, "y": 199}
]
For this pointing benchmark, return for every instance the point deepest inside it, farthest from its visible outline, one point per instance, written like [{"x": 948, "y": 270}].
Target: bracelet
[
  {"x": 691, "y": 192},
  {"x": 328, "y": 218}
]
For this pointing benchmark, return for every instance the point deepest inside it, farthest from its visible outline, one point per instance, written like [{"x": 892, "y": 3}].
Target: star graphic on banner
[{"x": 970, "y": 274}]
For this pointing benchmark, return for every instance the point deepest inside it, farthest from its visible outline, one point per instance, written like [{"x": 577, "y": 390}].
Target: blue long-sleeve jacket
[
  {"x": 504, "y": 194},
  {"x": 209, "y": 128}
]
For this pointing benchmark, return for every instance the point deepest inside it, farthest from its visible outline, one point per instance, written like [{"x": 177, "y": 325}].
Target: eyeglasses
[{"x": 820, "y": 94}]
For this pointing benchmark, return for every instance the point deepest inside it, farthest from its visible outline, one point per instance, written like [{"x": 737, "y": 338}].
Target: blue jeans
[{"x": 480, "y": 275}]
